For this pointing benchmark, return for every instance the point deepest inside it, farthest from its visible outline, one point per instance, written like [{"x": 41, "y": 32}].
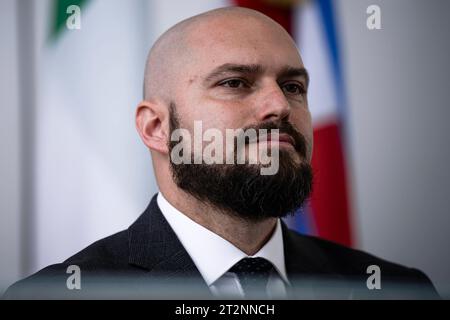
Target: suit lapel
[
  {"x": 309, "y": 269},
  {"x": 155, "y": 247},
  {"x": 302, "y": 256}
]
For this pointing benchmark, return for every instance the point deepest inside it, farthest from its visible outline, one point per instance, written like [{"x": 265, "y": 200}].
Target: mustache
[{"x": 284, "y": 127}]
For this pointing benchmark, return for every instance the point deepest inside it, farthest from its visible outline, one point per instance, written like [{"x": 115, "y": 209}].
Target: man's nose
[{"x": 273, "y": 105}]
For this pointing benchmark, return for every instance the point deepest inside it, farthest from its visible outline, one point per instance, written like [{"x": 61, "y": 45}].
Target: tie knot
[
  {"x": 253, "y": 274},
  {"x": 252, "y": 267}
]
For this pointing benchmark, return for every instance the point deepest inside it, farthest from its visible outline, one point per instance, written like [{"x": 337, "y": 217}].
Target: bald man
[{"x": 214, "y": 228}]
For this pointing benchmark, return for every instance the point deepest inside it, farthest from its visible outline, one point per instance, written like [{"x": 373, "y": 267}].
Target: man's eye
[
  {"x": 294, "y": 88},
  {"x": 234, "y": 83}
]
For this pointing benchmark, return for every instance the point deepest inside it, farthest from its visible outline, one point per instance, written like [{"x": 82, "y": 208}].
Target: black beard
[{"x": 240, "y": 189}]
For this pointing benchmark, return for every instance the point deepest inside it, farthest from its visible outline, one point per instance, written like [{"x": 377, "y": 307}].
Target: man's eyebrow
[
  {"x": 254, "y": 69},
  {"x": 290, "y": 72},
  {"x": 248, "y": 69}
]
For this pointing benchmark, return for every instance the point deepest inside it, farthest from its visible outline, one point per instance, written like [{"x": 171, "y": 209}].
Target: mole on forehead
[{"x": 192, "y": 79}]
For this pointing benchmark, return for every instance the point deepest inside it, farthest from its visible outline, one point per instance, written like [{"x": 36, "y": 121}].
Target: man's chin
[{"x": 242, "y": 192}]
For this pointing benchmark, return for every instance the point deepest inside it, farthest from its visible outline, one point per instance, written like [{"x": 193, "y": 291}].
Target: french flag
[{"x": 312, "y": 24}]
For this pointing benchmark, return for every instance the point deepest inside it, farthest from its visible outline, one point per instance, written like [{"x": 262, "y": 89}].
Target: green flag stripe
[{"x": 60, "y": 15}]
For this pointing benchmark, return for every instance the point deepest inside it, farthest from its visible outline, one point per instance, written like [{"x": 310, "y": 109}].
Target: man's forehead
[
  {"x": 240, "y": 36},
  {"x": 217, "y": 60}
]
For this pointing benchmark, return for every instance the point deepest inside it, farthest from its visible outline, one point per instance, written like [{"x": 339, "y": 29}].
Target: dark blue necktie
[{"x": 253, "y": 274}]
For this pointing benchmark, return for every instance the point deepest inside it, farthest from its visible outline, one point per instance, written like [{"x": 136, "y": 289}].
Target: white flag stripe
[{"x": 313, "y": 48}]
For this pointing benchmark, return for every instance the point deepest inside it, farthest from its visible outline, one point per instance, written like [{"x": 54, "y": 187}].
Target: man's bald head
[{"x": 176, "y": 48}]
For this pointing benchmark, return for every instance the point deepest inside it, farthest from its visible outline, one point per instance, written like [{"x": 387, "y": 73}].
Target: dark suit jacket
[{"x": 148, "y": 261}]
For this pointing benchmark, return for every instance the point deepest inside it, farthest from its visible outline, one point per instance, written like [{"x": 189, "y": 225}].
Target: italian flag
[{"x": 93, "y": 177}]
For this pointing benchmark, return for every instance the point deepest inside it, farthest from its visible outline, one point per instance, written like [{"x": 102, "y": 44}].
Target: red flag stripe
[{"x": 330, "y": 196}]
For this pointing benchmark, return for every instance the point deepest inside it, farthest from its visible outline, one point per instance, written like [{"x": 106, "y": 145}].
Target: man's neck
[{"x": 245, "y": 235}]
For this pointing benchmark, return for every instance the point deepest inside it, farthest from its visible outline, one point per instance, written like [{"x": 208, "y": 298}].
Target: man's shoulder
[
  {"x": 357, "y": 265},
  {"x": 347, "y": 260},
  {"x": 102, "y": 257},
  {"x": 110, "y": 252}
]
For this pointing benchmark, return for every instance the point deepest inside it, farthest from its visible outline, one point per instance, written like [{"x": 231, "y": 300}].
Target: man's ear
[{"x": 152, "y": 125}]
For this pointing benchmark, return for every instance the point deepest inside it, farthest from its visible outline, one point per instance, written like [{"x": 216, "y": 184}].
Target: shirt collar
[{"x": 212, "y": 254}]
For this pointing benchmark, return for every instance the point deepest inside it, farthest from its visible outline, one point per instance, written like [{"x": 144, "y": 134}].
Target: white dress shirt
[{"x": 214, "y": 256}]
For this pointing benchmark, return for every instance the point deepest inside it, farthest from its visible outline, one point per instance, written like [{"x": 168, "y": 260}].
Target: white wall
[
  {"x": 9, "y": 147},
  {"x": 398, "y": 93}
]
